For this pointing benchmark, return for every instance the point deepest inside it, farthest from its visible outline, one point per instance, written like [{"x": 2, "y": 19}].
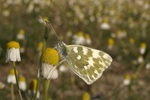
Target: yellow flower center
[
  {"x": 21, "y": 31},
  {"x": 40, "y": 46},
  {"x": 12, "y": 72},
  {"x": 143, "y": 45},
  {"x": 87, "y": 36},
  {"x": 32, "y": 85},
  {"x": 127, "y": 77},
  {"x": 50, "y": 56},
  {"x": 45, "y": 18},
  {"x": 80, "y": 33},
  {"x": 131, "y": 40},
  {"x": 110, "y": 41},
  {"x": 22, "y": 79},
  {"x": 12, "y": 44},
  {"x": 86, "y": 96}
]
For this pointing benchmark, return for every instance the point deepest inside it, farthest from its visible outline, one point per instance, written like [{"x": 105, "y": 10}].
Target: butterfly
[{"x": 87, "y": 63}]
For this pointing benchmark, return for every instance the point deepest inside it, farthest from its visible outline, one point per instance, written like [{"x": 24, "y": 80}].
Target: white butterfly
[{"x": 85, "y": 62}]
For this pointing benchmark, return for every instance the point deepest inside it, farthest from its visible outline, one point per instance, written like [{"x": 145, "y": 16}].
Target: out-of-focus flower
[
  {"x": 32, "y": 89},
  {"x": 105, "y": 25},
  {"x": 139, "y": 2},
  {"x": 68, "y": 14},
  {"x": 22, "y": 50},
  {"x": 86, "y": 96},
  {"x": 69, "y": 33},
  {"x": 147, "y": 65},
  {"x": 22, "y": 83},
  {"x": 6, "y": 12},
  {"x": 142, "y": 48},
  {"x": 49, "y": 59},
  {"x": 87, "y": 39},
  {"x": 30, "y": 7},
  {"x": 140, "y": 59},
  {"x": 121, "y": 34},
  {"x": 79, "y": 38},
  {"x": 146, "y": 5},
  {"x": 110, "y": 43},
  {"x": 131, "y": 41},
  {"x": 13, "y": 53},
  {"x": 126, "y": 80},
  {"x": 92, "y": 18},
  {"x": 63, "y": 67},
  {"x": 2, "y": 85},
  {"x": 11, "y": 76},
  {"x": 20, "y": 35},
  {"x": 40, "y": 47}
]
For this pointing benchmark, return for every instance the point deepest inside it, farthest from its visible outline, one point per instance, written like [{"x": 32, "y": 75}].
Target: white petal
[
  {"x": 11, "y": 79},
  {"x": 12, "y": 54},
  {"x": 18, "y": 58},
  {"x": 55, "y": 74},
  {"x": 22, "y": 85},
  {"x": 7, "y": 55}
]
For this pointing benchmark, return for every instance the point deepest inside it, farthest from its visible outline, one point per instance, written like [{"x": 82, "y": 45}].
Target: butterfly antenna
[{"x": 51, "y": 29}]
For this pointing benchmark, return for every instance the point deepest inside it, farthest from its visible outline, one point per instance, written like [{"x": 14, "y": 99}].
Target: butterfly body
[{"x": 85, "y": 62}]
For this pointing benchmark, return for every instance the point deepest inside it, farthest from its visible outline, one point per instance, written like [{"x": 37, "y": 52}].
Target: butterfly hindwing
[{"x": 87, "y": 63}]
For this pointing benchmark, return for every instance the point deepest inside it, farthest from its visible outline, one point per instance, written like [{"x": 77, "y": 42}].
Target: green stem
[
  {"x": 12, "y": 91},
  {"x": 17, "y": 81},
  {"x": 37, "y": 88},
  {"x": 45, "y": 90},
  {"x": 48, "y": 83}
]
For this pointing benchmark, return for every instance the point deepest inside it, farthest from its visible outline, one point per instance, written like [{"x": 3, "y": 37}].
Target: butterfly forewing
[{"x": 87, "y": 63}]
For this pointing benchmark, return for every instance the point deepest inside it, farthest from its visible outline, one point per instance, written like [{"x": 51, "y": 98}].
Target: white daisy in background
[
  {"x": 2, "y": 85},
  {"x": 22, "y": 83},
  {"x": 40, "y": 47},
  {"x": 69, "y": 34},
  {"x": 147, "y": 65},
  {"x": 49, "y": 64},
  {"x": 121, "y": 34},
  {"x": 126, "y": 80},
  {"x": 86, "y": 96},
  {"x": 79, "y": 38},
  {"x": 139, "y": 2},
  {"x": 92, "y": 18},
  {"x": 32, "y": 89},
  {"x": 11, "y": 76},
  {"x": 63, "y": 67},
  {"x": 6, "y": 12},
  {"x": 110, "y": 43},
  {"x": 87, "y": 39},
  {"x": 30, "y": 7},
  {"x": 142, "y": 48},
  {"x": 13, "y": 53},
  {"x": 22, "y": 50},
  {"x": 140, "y": 59},
  {"x": 105, "y": 25},
  {"x": 20, "y": 35},
  {"x": 146, "y": 5}
]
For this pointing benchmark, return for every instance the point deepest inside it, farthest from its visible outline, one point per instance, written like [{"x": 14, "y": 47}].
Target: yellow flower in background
[
  {"x": 20, "y": 35},
  {"x": 87, "y": 39},
  {"x": 110, "y": 43},
  {"x": 13, "y": 53},
  {"x": 86, "y": 96},
  {"x": 11, "y": 76},
  {"x": 142, "y": 48},
  {"x": 40, "y": 47},
  {"x": 126, "y": 80},
  {"x": 49, "y": 59},
  {"x": 140, "y": 59},
  {"x": 22, "y": 83},
  {"x": 105, "y": 25},
  {"x": 79, "y": 38},
  {"x": 32, "y": 89},
  {"x": 131, "y": 41},
  {"x": 6, "y": 12}
]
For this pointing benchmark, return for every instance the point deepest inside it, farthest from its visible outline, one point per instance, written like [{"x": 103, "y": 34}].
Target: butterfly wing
[{"x": 87, "y": 63}]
